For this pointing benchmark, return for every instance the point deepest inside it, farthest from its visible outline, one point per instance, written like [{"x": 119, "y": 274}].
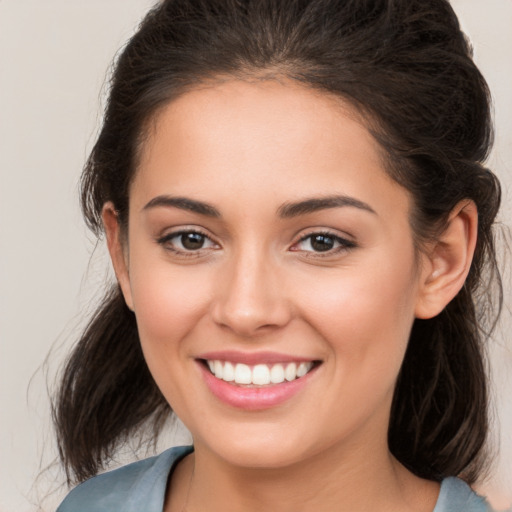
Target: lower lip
[{"x": 253, "y": 399}]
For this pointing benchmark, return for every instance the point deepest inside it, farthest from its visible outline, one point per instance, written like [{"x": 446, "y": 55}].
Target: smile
[
  {"x": 258, "y": 381},
  {"x": 259, "y": 374}
]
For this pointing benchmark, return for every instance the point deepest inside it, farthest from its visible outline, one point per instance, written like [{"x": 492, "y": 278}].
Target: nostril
[{"x": 251, "y": 319}]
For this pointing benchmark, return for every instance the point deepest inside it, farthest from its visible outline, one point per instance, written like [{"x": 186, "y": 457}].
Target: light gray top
[{"x": 140, "y": 487}]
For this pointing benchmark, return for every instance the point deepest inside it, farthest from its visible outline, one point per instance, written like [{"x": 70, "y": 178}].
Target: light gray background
[{"x": 53, "y": 59}]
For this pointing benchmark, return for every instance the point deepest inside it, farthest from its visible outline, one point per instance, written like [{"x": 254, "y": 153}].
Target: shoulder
[
  {"x": 134, "y": 487},
  {"x": 457, "y": 496}
]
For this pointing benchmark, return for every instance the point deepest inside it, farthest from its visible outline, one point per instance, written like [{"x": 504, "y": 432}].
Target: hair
[{"x": 404, "y": 64}]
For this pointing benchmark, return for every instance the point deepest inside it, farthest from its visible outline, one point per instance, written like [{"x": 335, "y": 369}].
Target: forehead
[
  {"x": 282, "y": 113},
  {"x": 271, "y": 138}
]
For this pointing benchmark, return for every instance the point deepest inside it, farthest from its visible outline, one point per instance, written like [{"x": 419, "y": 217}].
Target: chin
[{"x": 262, "y": 448}]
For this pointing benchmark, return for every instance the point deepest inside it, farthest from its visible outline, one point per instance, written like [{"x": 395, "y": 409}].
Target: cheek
[
  {"x": 169, "y": 303},
  {"x": 169, "y": 300},
  {"x": 364, "y": 314}
]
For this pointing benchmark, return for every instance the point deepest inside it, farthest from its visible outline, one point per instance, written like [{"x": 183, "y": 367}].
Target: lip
[
  {"x": 254, "y": 398},
  {"x": 253, "y": 358}
]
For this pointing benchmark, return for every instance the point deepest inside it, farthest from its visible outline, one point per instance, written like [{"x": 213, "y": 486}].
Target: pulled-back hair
[{"x": 407, "y": 67}]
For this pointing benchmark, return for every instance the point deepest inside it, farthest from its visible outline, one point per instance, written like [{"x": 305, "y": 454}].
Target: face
[{"x": 271, "y": 267}]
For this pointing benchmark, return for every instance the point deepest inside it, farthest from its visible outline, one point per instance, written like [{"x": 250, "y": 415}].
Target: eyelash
[
  {"x": 344, "y": 244},
  {"x": 165, "y": 241}
]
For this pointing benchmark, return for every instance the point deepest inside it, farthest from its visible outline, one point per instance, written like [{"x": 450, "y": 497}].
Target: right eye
[{"x": 186, "y": 243}]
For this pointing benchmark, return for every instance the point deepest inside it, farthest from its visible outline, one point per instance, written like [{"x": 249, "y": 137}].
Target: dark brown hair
[{"x": 407, "y": 67}]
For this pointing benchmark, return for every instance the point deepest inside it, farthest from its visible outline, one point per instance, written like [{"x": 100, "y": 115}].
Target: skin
[{"x": 257, "y": 285}]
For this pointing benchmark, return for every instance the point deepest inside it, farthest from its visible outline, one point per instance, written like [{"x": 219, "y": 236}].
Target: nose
[{"x": 250, "y": 299}]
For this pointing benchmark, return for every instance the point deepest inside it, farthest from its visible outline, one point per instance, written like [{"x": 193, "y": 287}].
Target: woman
[{"x": 300, "y": 223}]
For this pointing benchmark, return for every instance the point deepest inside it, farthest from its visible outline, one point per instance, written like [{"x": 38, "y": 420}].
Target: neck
[{"x": 345, "y": 479}]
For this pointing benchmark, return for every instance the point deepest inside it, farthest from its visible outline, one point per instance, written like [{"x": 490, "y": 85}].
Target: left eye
[
  {"x": 322, "y": 242},
  {"x": 187, "y": 241}
]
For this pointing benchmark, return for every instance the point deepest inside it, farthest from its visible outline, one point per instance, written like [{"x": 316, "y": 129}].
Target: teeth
[
  {"x": 290, "y": 372},
  {"x": 228, "y": 373},
  {"x": 260, "y": 374},
  {"x": 277, "y": 374},
  {"x": 242, "y": 374},
  {"x": 217, "y": 369},
  {"x": 302, "y": 370}
]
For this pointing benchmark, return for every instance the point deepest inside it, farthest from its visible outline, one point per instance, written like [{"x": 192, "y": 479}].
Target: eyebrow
[
  {"x": 184, "y": 203},
  {"x": 314, "y": 204},
  {"x": 285, "y": 211}
]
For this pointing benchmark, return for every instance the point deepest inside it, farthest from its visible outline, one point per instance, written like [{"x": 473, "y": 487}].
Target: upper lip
[{"x": 253, "y": 358}]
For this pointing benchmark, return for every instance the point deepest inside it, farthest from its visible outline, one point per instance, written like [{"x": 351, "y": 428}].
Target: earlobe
[
  {"x": 117, "y": 250},
  {"x": 448, "y": 262}
]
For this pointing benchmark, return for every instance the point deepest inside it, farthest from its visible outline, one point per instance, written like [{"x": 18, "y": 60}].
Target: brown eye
[
  {"x": 184, "y": 242},
  {"x": 322, "y": 243},
  {"x": 192, "y": 241}
]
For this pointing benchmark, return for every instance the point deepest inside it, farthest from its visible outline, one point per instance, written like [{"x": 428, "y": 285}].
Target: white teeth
[
  {"x": 243, "y": 374},
  {"x": 217, "y": 369},
  {"x": 260, "y": 374},
  {"x": 228, "y": 373},
  {"x": 277, "y": 374},
  {"x": 302, "y": 370},
  {"x": 290, "y": 373}
]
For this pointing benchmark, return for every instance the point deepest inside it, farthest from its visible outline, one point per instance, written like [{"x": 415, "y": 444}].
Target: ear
[
  {"x": 447, "y": 263},
  {"x": 118, "y": 252}
]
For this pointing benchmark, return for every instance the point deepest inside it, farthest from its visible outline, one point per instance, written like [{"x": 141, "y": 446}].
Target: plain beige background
[{"x": 53, "y": 60}]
